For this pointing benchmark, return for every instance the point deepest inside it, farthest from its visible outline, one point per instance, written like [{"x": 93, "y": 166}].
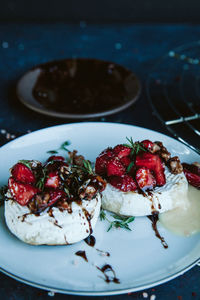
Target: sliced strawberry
[
  {"x": 121, "y": 151},
  {"x": 145, "y": 178},
  {"x": 192, "y": 177},
  {"x": 22, "y": 173},
  {"x": 125, "y": 161},
  {"x": 21, "y": 192},
  {"x": 55, "y": 195},
  {"x": 115, "y": 167},
  {"x": 124, "y": 183},
  {"x": 154, "y": 163},
  {"x": 192, "y": 168},
  {"x": 147, "y": 144},
  {"x": 56, "y": 157},
  {"x": 102, "y": 161},
  {"x": 53, "y": 180}
]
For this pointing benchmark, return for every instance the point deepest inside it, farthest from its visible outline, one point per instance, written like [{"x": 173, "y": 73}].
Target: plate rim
[{"x": 111, "y": 292}]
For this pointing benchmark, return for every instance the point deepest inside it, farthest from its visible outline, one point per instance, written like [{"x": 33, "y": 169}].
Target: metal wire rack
[{"x": 173, "y": 89}]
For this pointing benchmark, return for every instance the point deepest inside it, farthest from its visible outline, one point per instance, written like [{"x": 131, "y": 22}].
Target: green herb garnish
[
  {"x": 130, "y": 167},
  {"x": 27, "y": 163},
  {"x": 62, "y": 147},
  {"x": 135, "y": 146},
  {"x": 119, "y": 222},
  {"x": 87, "y": 166},
  {"x": 40, "y": 183}
]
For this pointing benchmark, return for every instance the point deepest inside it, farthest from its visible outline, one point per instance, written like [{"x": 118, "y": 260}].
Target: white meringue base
[{"x": 38, "y": 230}]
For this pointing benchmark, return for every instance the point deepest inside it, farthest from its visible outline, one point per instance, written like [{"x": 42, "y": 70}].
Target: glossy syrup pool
[{"x": 184, "y": 220}]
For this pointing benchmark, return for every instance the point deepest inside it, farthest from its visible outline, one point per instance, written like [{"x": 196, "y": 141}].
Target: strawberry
[
  {"x": 56, "y": 157},
  {"x": 52, "y": 180},
  {"x": 192, "y": 174},
  {"x": 192, "y": 168},
  {"x": 125, "y": 161},
  {"x": 55, "y": 195},
  {"x": 115, "y": 167},
  {"x": 145, "y": 179},
  {"x": 102, "y": 161},
  {"x": 121, "y": 151},
  {"x": 22, "y": 173},
  {"x": 154, "y": 163},
  {"x": 147, "y": 144},
  {"x": 124, "y": 183},
  {"x": 21, "y": 192}
]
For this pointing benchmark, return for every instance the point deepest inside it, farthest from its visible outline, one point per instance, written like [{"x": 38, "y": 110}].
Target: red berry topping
[
  {"x": 192, "y": 174},
  {"x": 55, "y": 195},
  {"x": 22, "y": 173},
  {"x": 22, "y": 193},
  {"x": 121, "y": 151},
  {"x": 147, "y": 144},
  {"x": 125, "y": 183},
  {"x": 102, "y": 161},
  {"x": 53, "y": 180},
  {"x": 154, "y": 163},
  {"x": 56, "y": 157},
  {"x": 115, "y": 167},
  {"x": 125, "y": 161},
  {"x": 145, "y": 179}
]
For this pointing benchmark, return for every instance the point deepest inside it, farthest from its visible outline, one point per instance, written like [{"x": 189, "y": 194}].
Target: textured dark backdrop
[{"x": 101, "y": 10}]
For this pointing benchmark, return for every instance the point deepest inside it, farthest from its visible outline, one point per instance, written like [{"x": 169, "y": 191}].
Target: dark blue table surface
[{"x": 137, "y": 47}]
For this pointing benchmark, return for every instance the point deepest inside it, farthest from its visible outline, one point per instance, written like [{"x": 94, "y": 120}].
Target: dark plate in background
[{"x": 78, "y": 88}]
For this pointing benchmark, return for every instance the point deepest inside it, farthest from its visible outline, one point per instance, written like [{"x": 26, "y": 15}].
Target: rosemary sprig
[
  {"x": 119, "y": 222},
  {"x": 87, "y": 166},
  {"x": 27, "y": 163},
  {"x": 62, "y": 147},
  {"x": 135, "y": 146},
  {"x": 3, "y": 190},
  {"x": 130, "y": 167},
  {"x": 40, "y": 183}
]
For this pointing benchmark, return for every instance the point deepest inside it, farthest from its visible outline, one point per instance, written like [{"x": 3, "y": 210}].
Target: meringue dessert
[
  {"x": 142, "y": 179},
  {"x": 54, "y": 203}
]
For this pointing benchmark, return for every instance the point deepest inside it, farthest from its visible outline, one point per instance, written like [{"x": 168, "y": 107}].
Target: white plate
[{"x": 137, "y": 257}]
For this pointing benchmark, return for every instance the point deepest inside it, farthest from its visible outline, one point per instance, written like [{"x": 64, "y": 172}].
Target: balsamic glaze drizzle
[
  {"x": 154, "y": 220},
  {"x": 107, "y": 268}
]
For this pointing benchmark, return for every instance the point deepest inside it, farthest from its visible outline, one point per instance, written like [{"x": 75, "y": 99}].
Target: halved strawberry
[
  {"x": 53, "y": 180},
  {"x": 124, "y": 183},
  {"x": 192, "y": 174},
  {"x": 22, "y": 173},
  {"x": 21, "y": 192},
  {"x": 147, "y": 144},
  {"x": 154, "y": 163},
  {"x": 102, "y": 161},
  {"x": 145, "y": 178},
  {"x": 56, "y": 157},
  {"x": 121, "y": 151},
  {"x": 115, "y": 167}
]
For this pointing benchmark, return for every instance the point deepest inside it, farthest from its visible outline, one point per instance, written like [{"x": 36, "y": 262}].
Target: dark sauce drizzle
[
  {"x": 154, "y": 220},
  {"x": 88, "y": 217},
  {"x": 107, "y": 268},
  {"x": 82, "y": 254},
  {"x": 90, "y": 241}
]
